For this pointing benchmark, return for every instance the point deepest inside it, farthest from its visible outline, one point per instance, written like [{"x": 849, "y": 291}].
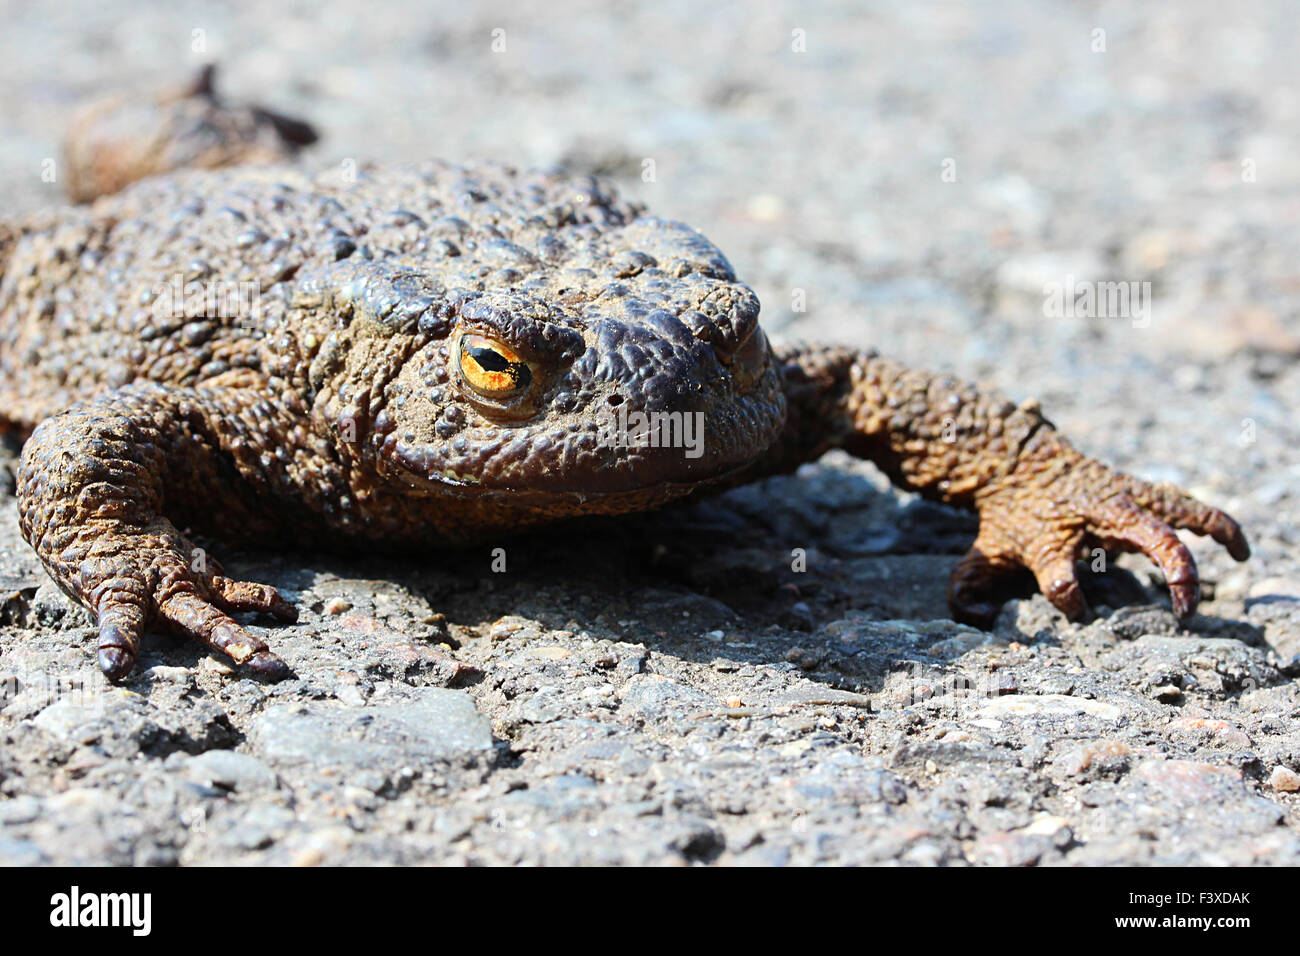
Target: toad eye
[{"x": 492, "y": 368}]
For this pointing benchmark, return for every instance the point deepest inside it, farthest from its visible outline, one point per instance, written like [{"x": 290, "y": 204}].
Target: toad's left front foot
[{"x": 1055, "y": 505}]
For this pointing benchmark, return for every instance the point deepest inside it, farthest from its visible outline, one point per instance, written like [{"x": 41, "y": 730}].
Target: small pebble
[{"x": 1284, "y": 780}]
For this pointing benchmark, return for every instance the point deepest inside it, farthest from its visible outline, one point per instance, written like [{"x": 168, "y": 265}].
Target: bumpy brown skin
[
  {"x": 331, "y": 407},
  {"x": 117, "y": 140}
]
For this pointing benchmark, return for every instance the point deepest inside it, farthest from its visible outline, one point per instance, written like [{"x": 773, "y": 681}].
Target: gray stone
[
  {"x": 431, "y": 724},
  {"x": 1049, "y": 706},
  {"x": 21, "y": 853},
  {"x": 652, "y": 696},
  {"x": 230, "y": 770}
]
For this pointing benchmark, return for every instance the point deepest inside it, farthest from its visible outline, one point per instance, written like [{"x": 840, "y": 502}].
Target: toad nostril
[
  {"x": 727, "y": 346},
  {"x": 750, "y": 360}
]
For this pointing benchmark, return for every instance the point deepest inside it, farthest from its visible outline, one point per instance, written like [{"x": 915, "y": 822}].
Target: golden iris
[{"x": 492, "y": 368}]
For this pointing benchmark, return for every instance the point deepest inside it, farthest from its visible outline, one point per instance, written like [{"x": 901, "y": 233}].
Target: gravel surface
[{"x": 668, "y": 689}]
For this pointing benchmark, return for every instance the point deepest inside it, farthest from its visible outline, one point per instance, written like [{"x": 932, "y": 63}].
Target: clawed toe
[
  {"x": 267, "y": 665},
  {"x": 116, "y": 663},
  {"x": 124, "y": 609},
  {"x": 250, "y": 596},
  {"x": 981, "y": 581}
]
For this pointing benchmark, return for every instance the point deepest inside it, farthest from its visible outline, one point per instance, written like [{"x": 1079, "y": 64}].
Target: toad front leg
[
  {"x": 100, "y": 485},
  {"x": 1041, "y": 503}
]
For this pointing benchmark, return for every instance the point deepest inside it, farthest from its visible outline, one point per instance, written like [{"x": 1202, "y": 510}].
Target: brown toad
[{"x": 426, "y": 356}]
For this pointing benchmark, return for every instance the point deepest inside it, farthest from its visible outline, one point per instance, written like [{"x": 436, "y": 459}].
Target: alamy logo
[
  {"x": 1098, "y": 300},
  {"x": 213, "y": 299},
  {"x": 624, "y": 429},
  {"x": 75, "y": 909}
]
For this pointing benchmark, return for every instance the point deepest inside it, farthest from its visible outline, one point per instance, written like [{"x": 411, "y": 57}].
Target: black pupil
[{"x": 490, "y": 360}]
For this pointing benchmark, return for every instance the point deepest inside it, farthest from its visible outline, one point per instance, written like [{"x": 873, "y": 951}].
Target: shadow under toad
[{"x": 797, "y": 571}]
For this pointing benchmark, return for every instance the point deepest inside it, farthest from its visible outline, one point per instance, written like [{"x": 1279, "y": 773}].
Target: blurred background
[{"x": 916, "y": 173}]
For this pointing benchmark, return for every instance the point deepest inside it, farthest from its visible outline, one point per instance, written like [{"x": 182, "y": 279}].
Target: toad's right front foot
[
  {"x": 147, "y": 582},
  {"x": 90, "y": 486}
]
